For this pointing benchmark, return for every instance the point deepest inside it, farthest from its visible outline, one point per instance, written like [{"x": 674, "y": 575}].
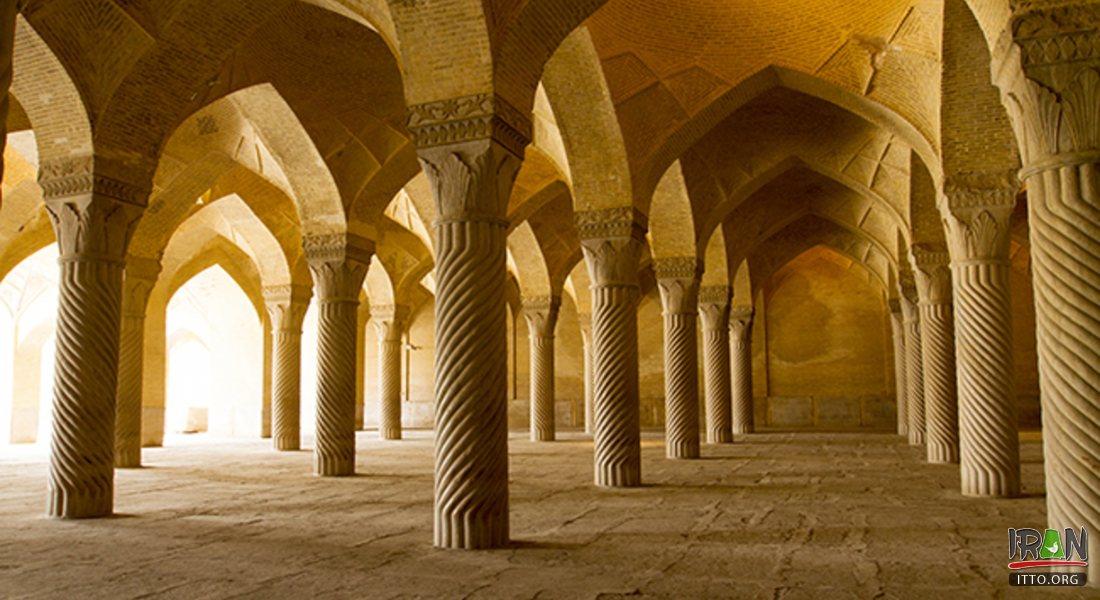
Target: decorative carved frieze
[{"x": 470, "y": 118}]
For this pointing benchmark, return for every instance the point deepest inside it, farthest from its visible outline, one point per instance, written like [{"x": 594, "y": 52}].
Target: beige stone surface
[{"x": 782, "y": 515}]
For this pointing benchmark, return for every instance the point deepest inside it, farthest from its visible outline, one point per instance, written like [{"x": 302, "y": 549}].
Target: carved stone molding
[
  {"x": 611, "y": 223},
  {"x": 932, "y": 271},
  {"x": 714, "y": 294},
  {"x": 470, "y": 118},
  {"x": 82, "y": 176}
]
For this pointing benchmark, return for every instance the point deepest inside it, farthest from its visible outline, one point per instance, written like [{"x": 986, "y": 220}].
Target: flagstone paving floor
[{"x": 771, "y": 516}]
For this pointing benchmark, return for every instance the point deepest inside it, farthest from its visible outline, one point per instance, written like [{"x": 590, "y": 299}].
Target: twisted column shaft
[
  {"x": 678, "y": 282},
  {"x": 128, "y": 410},
  {"x": 286, "y": 309},
  {"x": 7, "y": 41},
  {"x": 914, "y": 372},
  {"x": 389, "y": 323},
  {"x": 612, "y": 241},
  {"x": 897, "y": 325},
  {"x": 338, "y": 269},
  {"x": 1049, "y": 80},
  {"x": 933, "y": 279},
  {"x": 542, "y": 316},
  {"x": 471, "y": 183},
  {"x": 93, "y": 217},
  {"x": 715, "y": 310},
  {"x": 741, "y": 368},
  {"x": 586, "y": 342},
  {"x": 977, "y": 218}
]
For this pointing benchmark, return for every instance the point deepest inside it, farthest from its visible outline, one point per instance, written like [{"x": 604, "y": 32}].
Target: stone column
[
  {"x": 897, "y": 326},
  {"x": 94, "y": 216},
  {"x": 586, "y": 341},
  {"x": 338, "y": 264},
  {"x": 931, "y": 268},
  {"x": 914, "y": 369},
  {"x": 612, "y": 241},
  {"x": 138, "y": 281},
  {"x": 8, "y": 10},
  {"x": 471, "y": 149},
  {"x": 1049, "y": 80},
  {"x": 286, "y": 308},
  {"x": 678, "y": 282},
  {"x": 542, "y": 316},
  {"x": 362, "y": 318},
  {"x": 977, "y": 211},
  {"x": 714, "y": 306},
  {"x": 741, "y": 368},
  {"x": 389, "y": 322}
]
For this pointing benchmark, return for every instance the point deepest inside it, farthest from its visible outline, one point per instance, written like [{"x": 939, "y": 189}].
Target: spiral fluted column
[
  {"x": 678, "y": 282},
  {"x": 931, "y": 268},
  {"x": 93, "y": 216},
  {"x": 612, "y": 241},
  {"x": 977, "y": 215},
  {"x": 714, "y": 306},
  {"x": 286, "y": 307},
  {"x": 138, "y": 281},
  {"x": 914, "y": 369},
  {"x": 338, "y": 264},
  {"x": 541, "y": 313},
  {"x": 586, "y": 341},
  {"x": 897, "y": 326},
  {"x": 741, "y": 368},
  {"x": 471, "y": 182},
  {"x": 1052, "y": 103},
  {"x": 389, "y": 322}
]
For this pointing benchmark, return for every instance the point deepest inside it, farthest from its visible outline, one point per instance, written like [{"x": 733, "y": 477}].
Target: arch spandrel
[
  {"x": 672, "y": 224},
  {"x": 532, "y": 275},
  {"x": 716, "y": 269}
]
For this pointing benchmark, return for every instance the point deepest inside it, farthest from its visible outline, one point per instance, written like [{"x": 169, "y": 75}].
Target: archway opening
[
  {"x": 822, "y": 343},
  {"x": 28, "y": 320},
  {"x": 215, "y": 359}
]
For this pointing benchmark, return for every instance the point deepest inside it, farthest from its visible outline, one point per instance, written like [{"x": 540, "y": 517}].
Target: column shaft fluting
[
  {"x": 940, "y": 409},
  {"x": 338, "y": 269},
  {"x": 715, "y": 310},
  {"x": 7, "y": 42},
  {"x": 286, "y": 309},
  {"x": 586, "y": 341},
  {"x": 131, "y": 356},
  {"x": 389, "y": 324},
  {"x": 914, "y": 373},
  {"x": 471, "y": 182},
  {"x": 678, "y": 282},
  {"x": 741, "y": 369},
  {"x": 897, "y": 326},
  {"x": 541, "y": 313},
  {"x": 612, "y": 241}
]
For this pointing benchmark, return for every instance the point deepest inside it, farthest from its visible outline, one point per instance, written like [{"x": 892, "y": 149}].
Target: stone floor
[{"x": 772, "y": 516}]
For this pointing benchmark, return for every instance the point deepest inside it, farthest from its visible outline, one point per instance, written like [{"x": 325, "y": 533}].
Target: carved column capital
[
  {"x": 741, "y": 323},
  {"x": 678, "y": 281},
  {"x": 470, "y": 118},
  {"x": 286, "y": 306},
  {"x": 932, "y": 271},
  {"x": 338, "y": 263},
  {"x": 471, "y": 180},
  {"x": 389, "y": 320},
  {"x": 1052, "y": 98},
  {"x": 976, "y": 210},
  {"x": 612, "y": 241},
  {"x": 714, "y": 305},
  {"x": 541, "y": 313}
]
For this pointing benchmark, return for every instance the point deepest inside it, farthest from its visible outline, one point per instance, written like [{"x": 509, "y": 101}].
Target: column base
[
  {"x": 286, "y": 444},
  {"x": 333, "y": 466},
  {"x": 940, "y": 454},
  {"x": 471, "y": 531},
  {"x": 542, "y": 436},
  {"x": 619, "y": 476},
  {"x": 743, "y": 429},
  {"x": 682, "y": 450},
  {"x": 129, "y": 458},
  {"x": 63, "y": 504},
  {"x": 984, "y": 484},
  {"x": 720, "y": 437},
  {"x": 389, "y": 433}
]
